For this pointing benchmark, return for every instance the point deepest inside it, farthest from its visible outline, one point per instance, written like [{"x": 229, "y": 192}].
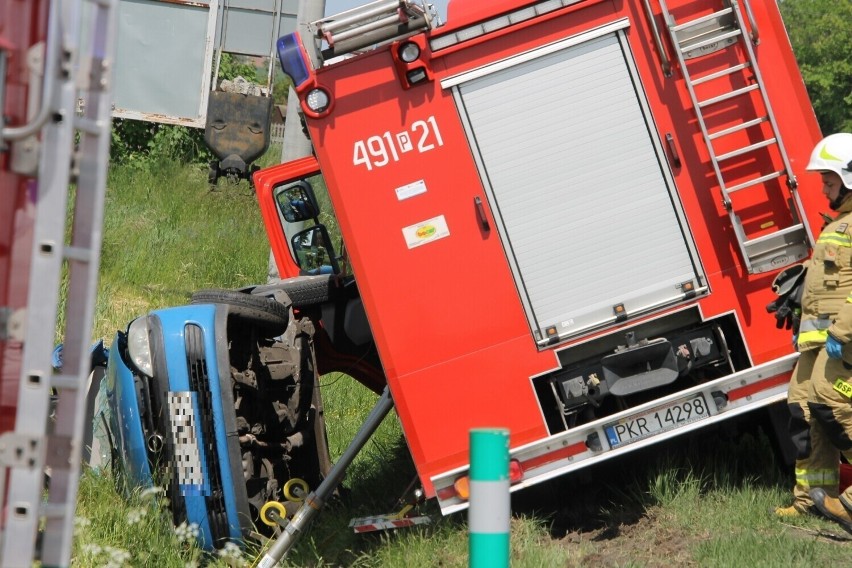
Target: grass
[
  {"x": 702, "y": 501},
  {"x": 166, "y": 235}
]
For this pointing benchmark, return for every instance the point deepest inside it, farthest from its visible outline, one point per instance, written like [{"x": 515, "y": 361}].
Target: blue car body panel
[
  {"x": 126, "y": 422},
  {"x": 174, "y": 322},
  {"x": 201, "y": 456}
]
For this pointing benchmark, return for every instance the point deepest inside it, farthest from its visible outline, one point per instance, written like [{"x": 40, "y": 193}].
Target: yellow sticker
[{"x": 843, "y": 387}]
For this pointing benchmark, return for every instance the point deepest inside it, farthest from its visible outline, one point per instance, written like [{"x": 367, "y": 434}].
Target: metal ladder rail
[
  {"x": 796, "y": 207},
  {"x": 38, "y": 442},
  {"x": 741, "y": 37},
  {"x": 89, "y": 170},
  {"x": 26, "y": 458}
]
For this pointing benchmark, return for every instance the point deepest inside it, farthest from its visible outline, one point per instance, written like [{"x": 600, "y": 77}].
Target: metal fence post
[{"x": 489, "y": 514}]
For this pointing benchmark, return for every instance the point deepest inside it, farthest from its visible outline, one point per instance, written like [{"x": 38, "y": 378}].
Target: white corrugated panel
[{"x": 587, "y": 213}]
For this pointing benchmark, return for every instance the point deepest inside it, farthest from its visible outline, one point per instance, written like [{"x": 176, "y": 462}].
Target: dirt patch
[{"x": 647, "y": 541}]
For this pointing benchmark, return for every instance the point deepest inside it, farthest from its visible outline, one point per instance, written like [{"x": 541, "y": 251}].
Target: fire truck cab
[{"x": 563, "y": 216}]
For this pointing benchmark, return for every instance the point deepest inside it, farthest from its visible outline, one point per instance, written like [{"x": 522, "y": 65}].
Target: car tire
[
  {"x": 303, "y": 291},
  {"x": 308, "y": 290},
  {"x": 266, "y": 313}
]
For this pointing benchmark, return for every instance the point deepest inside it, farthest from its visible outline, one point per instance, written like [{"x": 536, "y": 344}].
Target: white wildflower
[
  {"x": 152, "y": 492},
  {"x": 118, "y": 557},
  {"x": 80, "y": 524},
  {"x": 91, "y": 549},
  {"x": 136, "y": 515},
  {"x": 231, "y": 551},
  {"x": 186, "y": 532}
]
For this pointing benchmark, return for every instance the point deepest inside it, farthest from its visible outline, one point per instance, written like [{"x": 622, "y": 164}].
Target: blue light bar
[{"x": 292, "y": 59}]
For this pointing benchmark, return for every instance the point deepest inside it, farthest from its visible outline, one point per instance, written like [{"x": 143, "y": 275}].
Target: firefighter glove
[
  {"x": 834, "y": 348},
  {"x": 787, "y": 313},
  {"x": 787, "y": 307}
]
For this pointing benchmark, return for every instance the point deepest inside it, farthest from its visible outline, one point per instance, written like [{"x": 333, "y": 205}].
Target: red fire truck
[{"x": 563, "y": 216}]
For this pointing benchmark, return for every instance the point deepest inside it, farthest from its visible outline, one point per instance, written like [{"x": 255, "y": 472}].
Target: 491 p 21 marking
[{"x": 382, "y": 149}]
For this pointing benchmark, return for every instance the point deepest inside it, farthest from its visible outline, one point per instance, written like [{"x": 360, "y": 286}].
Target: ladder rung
[
  {"x": 737, "y": 128},
  {"x": 65, "y": 381},
  {"x": 701, "y": 20},
  {"x": 775, "y": 240},
  {"x": 746, "y": 150},
  {"x": 79, "y": 254},
  {"x": 727, "y": 96},
  {"x": 685, "y": 45},
  {"x": 55, "y": 510},
  {"x": 89, "y": 126},
  {"x": 756, "y": 181},
  {"x": 721, "y": 73}
]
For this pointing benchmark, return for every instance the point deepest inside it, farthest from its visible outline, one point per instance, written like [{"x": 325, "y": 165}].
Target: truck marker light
[
  {"x": 409, "y": 52},
  {"x": 416, "y": 75},
  {"x": 462, "y": 487},
  {"x": 688, "y": 289},
  {"x": 516, "y": 472},
  {"x": 411, "y": 62},
  {"x": 318, "y": 100},
  {"x": 462, "y": 484}
]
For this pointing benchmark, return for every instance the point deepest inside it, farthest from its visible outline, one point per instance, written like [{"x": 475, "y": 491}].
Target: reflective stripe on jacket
[{"x": 827, "y": 299}]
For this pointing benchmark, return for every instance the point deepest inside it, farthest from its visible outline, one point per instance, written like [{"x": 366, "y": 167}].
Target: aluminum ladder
[
  {"x": 710, "y": 36},
  {"x": 74, "y": 144},
  {"x": 371, "y": 24}
]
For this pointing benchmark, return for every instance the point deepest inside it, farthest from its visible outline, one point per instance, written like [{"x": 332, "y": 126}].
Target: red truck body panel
[{"x": 19, "y": 31}]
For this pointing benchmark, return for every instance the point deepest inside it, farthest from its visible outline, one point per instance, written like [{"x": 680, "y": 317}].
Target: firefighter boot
[
  {"x": 832, "y": 508},
  {"x": 794, "y": 510}
]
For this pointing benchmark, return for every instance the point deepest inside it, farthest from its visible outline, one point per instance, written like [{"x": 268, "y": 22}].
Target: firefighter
[
  {"x": 830, "y": 392},
  {"x": 821, "y": 417}
]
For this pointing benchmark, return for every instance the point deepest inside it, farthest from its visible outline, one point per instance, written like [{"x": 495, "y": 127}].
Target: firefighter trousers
[
  {"x": 817, "y": 459},
  {"x": 830, "y": 406}
]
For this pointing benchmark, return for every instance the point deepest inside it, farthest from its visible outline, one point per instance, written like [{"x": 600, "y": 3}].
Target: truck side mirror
[
  {"x": 297, "y": 202},
  {"x": 313, "y": 251}
]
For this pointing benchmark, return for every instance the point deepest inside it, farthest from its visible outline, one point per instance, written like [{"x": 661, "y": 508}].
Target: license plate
[{"x": 661, "y": 419}]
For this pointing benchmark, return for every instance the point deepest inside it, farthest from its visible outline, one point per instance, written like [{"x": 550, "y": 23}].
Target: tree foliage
[
  {"x": 231, "y": 67},
  {"x": 821, "y": 34}
]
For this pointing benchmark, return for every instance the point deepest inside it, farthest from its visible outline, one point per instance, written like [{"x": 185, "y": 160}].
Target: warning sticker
[
  {"x": 410, "y": 190},
  {"x": 426, "y": 232}
]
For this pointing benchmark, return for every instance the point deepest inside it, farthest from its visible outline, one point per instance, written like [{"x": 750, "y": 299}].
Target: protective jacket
[{"x": 827, "y": 298}]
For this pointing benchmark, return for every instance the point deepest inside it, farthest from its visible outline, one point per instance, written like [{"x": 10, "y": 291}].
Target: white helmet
[{"x": 834, "y": 154}]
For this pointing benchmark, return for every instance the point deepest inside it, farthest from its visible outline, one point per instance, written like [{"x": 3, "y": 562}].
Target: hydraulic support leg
[{"x": 316, "y": 500}]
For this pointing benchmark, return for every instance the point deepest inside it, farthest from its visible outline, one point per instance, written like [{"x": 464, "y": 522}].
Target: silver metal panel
[
  {"x": 586, "y": 206},
  {"x": 248, "y": 26},
  {"x": 166, "y": 50},
  {"x": 162, "y": 54}
]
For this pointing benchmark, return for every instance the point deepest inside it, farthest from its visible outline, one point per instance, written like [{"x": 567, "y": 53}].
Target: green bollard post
[{"x": 489, "y": 513}]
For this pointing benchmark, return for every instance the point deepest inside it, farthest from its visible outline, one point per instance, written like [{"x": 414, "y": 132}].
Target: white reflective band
[{"x": 490, "y": 508}]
